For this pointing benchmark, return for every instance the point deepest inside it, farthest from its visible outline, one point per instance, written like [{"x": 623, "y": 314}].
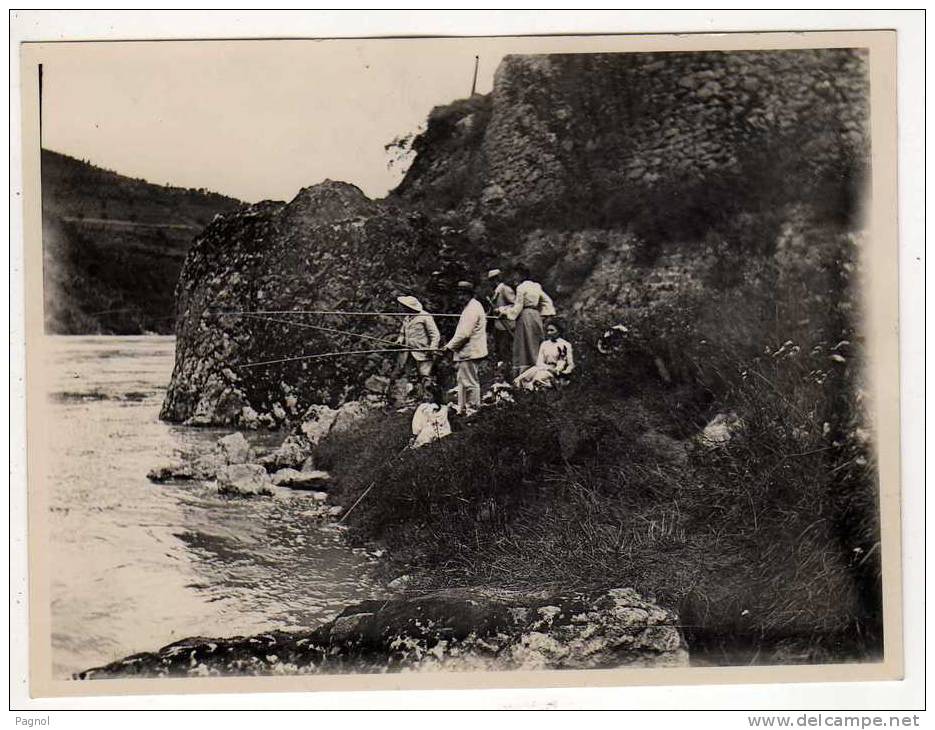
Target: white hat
[
  {"x": 411, "y": 302},
  {"x": 493, "y": 273}
]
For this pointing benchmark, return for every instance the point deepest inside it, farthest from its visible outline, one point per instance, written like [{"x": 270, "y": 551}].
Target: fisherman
[
  {"x": 502, "y": 295},
  {"x": 469, "y": 347},
  {"x": 554, "y": 364},
  {"x": 531, "y": 305},
  {"x": 420, "y": 336}
]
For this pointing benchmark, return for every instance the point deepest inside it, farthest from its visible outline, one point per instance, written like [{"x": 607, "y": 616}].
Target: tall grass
[{"x": 767, "y": 543}]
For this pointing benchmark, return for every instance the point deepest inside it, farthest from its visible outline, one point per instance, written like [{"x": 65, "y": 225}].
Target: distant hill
[{"x": 113, "y": 247}]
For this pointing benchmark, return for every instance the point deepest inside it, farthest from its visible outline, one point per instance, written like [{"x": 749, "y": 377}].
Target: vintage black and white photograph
[{"x": 397, "y": 356}]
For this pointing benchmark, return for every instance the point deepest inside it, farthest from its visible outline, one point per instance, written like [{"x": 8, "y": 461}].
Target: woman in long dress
[
  {"x": 555, "y": 363},
  {"x": 527, "y": 311}
]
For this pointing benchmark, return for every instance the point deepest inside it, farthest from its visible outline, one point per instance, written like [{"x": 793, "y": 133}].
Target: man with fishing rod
[
  {"x": 469, "y": 347},
  {"x": 419, "y": 335}
]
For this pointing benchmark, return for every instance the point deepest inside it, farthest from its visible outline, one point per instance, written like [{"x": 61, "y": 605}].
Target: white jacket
[{"x": 470, "y": 338}]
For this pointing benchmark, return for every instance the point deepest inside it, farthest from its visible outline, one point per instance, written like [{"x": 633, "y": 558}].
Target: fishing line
[
  {"x": 322, "y": 328},
  {"x": 333, "y": 313},
  {"x": 330, "y": 354}
]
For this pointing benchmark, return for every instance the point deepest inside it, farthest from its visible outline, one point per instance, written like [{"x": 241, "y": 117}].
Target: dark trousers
[{"x": 503, "y": 345}]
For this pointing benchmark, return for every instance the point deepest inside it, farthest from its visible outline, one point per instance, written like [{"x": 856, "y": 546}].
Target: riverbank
[{"x": 412, "y": 626}]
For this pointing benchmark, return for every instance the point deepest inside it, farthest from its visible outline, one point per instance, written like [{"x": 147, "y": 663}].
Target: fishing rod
[
  {"x": 322, "y": 328},
  {"x": 331, "y": 354}
]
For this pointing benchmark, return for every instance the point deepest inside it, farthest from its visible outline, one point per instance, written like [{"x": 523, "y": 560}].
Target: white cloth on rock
[{"x": 429, "y": 423}]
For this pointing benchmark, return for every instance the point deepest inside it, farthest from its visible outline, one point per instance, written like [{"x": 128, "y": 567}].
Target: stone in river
[
  {"x": 243, "y": 480},
  {"x": 171, "y": 472},
  {"x": 300, "y": 479},
  {"x": 233, "y": 448},
  {"x": 202, "y": 468},
  {"x": 292, "y": 453}
]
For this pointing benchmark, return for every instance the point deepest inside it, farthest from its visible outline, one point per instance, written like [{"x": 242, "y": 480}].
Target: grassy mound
[{"x": 767, "y": 542}]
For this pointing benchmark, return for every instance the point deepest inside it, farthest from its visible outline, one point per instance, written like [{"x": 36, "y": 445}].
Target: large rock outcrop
[
  {"x": 331, "y": 248},
  {"x": 621, "y": 179},
  {"x": 450, "y": 632}
]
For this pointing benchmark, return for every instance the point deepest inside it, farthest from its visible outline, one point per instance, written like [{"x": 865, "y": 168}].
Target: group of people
[{"x": 527, "y": 340}]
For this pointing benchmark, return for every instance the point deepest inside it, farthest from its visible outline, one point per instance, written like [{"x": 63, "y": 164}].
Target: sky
[{"x": 251, "y": 119}]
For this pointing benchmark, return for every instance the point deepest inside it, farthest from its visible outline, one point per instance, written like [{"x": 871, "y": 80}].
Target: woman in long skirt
[{"x": 531, "y": 305}]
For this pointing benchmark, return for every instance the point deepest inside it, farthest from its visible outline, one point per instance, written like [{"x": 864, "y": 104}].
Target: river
[{"x": 135, "y": 565}]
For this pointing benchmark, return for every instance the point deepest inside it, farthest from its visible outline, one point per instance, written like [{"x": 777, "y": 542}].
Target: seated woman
[{"x": 554, "y": 364}]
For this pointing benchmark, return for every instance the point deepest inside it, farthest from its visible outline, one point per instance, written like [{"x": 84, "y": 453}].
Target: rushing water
[{"x": 137, "y": 565}]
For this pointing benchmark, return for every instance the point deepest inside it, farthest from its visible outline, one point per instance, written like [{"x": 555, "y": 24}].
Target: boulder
[
  {"x": 249, "y": 418},
  {"x": 301, "y": 479},
  {"x": 449, "y": 630},
  {"x": 292, "y": 454},
  {"x": 317, "y": 422},
  {"x": 279, "y": 413},
  {"x": 233, "y": 448},
  {"x": 202, "y": 468},
  {"x": 171, "y": 473},
  {"x": 230, "y": 449},
  {"x": 400, "y": 391},
  {"x": 243, "y": 480},
  {"x": 350, "y": 414}
]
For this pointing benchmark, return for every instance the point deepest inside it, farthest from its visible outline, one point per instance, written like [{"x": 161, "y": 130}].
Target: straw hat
[
  {"x": 410, "y": 303},
  {"x": 493, "y": 273}
]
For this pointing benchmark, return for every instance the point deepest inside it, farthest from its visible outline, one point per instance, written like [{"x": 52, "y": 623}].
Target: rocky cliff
[
  {"x": 577, "y": 138},
  {"x": 622, "y": 179},
  {"x": 330, "y": 248},
  {"x": 618, "y": 174}
]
